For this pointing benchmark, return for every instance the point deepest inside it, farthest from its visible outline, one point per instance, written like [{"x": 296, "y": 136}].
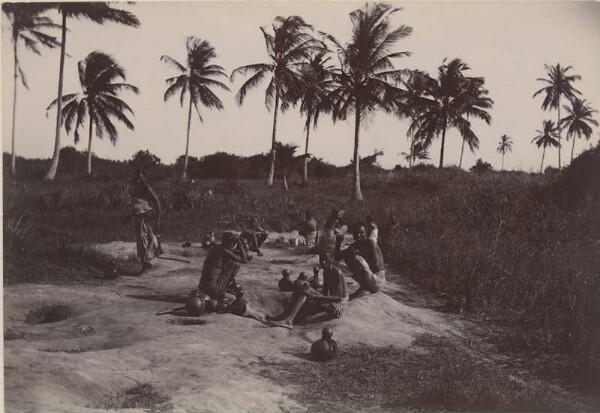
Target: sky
[{"x": 507, "y": 43}]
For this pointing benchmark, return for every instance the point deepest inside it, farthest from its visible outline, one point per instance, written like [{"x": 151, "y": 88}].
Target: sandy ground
[{"x": 114, "y": 340}]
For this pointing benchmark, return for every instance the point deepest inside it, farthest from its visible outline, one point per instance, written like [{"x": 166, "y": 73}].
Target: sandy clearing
[{"x": 114, "y": 339}]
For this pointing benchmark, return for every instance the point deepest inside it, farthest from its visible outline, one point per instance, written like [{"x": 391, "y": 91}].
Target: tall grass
[{"x": 516, "y": 246}]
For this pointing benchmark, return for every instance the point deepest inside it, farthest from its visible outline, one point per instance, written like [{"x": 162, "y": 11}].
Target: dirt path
[{"x": 114, "y": 340}]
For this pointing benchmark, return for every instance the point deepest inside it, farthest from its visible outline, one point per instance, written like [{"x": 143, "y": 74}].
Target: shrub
[{"x": 481, "y": 166}]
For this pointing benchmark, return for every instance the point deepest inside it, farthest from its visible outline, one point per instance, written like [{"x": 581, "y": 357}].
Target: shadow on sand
[{"x": 164, "y": 298}]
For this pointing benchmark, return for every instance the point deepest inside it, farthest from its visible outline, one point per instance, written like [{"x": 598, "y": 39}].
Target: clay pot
[
  {"x": 195, "y": 305},
  {"x": 325, "y": 348},
  {"x": 315, "y": 281},
  {"x": 285, "y": 284}
]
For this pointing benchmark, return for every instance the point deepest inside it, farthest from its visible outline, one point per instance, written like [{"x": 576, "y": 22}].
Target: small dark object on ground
[
  {"x": 195, "y": 304},
  {"x": 285, "y": 284},
  {"x": 186, "y": 244},
  {"x": 48, "y": 314},
  {"x": 325, "y": 348}
]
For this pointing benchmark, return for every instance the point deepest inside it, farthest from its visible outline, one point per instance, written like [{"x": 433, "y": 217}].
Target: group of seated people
[{"x": 363, "y": 258}]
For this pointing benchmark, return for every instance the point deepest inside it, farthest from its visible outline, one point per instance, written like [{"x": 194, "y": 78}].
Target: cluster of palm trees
[
  {"x": 365, "y": 80},
  {"x": 579, "y": 121},
  {"x": 98, "y": 100},
  {"x": 306, "y": 68}
]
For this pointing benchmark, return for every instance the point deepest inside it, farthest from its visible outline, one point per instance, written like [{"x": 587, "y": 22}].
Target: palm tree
[
  {"x": 314, "y": 85},
  {"x": 285, "y": 159},
  {"x": 362, "y": 83},
  {"x": 504, "y": 146},
  {"x": 546, "y": 137},
  {"x": 197, "y": 78},
  {"x": 476, "y": 101},
  {"x": 449, "y": 101},
  {"x": 98, "y": 12},
  {"x": 288, "y": 45},
  {"x": 26, "y": 28},
  {"x": 418, "y": 151},
  {"x": 412, "y": 106},
  {"x": 559, "y": 84},
  {"x": 578, "y": 121},
  {"x": 98, "y": 101}
]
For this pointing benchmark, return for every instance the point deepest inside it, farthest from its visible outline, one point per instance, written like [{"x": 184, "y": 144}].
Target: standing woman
[{"x": 146, "y": 213}]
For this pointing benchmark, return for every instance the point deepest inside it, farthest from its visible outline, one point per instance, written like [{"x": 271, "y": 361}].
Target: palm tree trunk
[
  {"x": 13, "y": 157},
  {"x": 357, "y": 193},
  {"x": 54, "y": 165},
  {"x": 442, "y": 149},
  {"x": 559, "y": 137},
  {"x": 411, "y": 160},
  {"x": 502, "y": 161},
  {"x": 461, "y": 153},
  {"x": 284, "y": 178},
  {"x": 573, "y": 147},
  {"x": 542, "y": 165},
  {"x": 305, "y": 172},
  {"x": 89, "y": 154},
  {"x": 273, "y": 140},
  {"x": 187, "y": 142}
]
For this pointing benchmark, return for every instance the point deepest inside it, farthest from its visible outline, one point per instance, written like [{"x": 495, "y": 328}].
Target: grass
[
  {"x": 438, "y": 376},
  {"x": 49, "y": 314},
  {"x": 510, "y": 246},
  {"x": 141, "y": 396}
]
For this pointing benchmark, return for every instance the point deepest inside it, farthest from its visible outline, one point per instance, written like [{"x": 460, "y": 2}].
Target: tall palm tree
[
  {"x": 504, "y": 146},
  {"x": 546, "y": 137},
  {"x": 449, "y": 102},
  {"x": 476, "y": 101},
  {"x": 367, "y": 79},
  {"x": 98, "y": 12},
  {"x": 197, "y": 78},
  {"x": 98, "y": 100},
  {"x": 27, "y": 27},
  {"x": 578, "y": 121},
  {"x": 289, "y": 44},
  {"x": 314, "y": 85},
  {"x": 413, "y": 105},
  {"x": 559, "y": 84}
]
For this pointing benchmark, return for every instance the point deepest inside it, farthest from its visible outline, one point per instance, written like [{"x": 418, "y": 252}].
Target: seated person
[
  {"x": 308, "y": 229},
  {"x": 254, "y": 235},
  {"x": 365, "y": 262},
  {"x": 309, "y": 305},
  {"x": 221, "y": 266},
  {"x": 372, "y": 230}
]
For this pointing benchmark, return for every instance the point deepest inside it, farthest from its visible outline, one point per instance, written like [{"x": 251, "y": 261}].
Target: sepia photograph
[{"x": 300, "y": 206}]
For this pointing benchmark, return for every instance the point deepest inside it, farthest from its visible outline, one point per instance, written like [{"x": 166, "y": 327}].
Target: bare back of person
[
  {"x": 220, "y": 267},
  {"x": 365, "y": 262}
]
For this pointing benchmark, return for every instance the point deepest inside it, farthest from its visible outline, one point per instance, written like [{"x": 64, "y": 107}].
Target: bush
[
  {"x": 481, "y": 167},
  {"x": 144, "y": 162}
]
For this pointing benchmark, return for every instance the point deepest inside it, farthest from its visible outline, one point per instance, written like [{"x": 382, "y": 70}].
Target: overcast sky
[{"x": 508, "y": 43}]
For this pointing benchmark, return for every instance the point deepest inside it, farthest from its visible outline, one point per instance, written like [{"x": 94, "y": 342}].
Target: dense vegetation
[{"x": 518, "y": 247}]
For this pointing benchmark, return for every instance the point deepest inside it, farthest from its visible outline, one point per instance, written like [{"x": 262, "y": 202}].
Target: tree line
[{"x": 306, "y": 69}]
